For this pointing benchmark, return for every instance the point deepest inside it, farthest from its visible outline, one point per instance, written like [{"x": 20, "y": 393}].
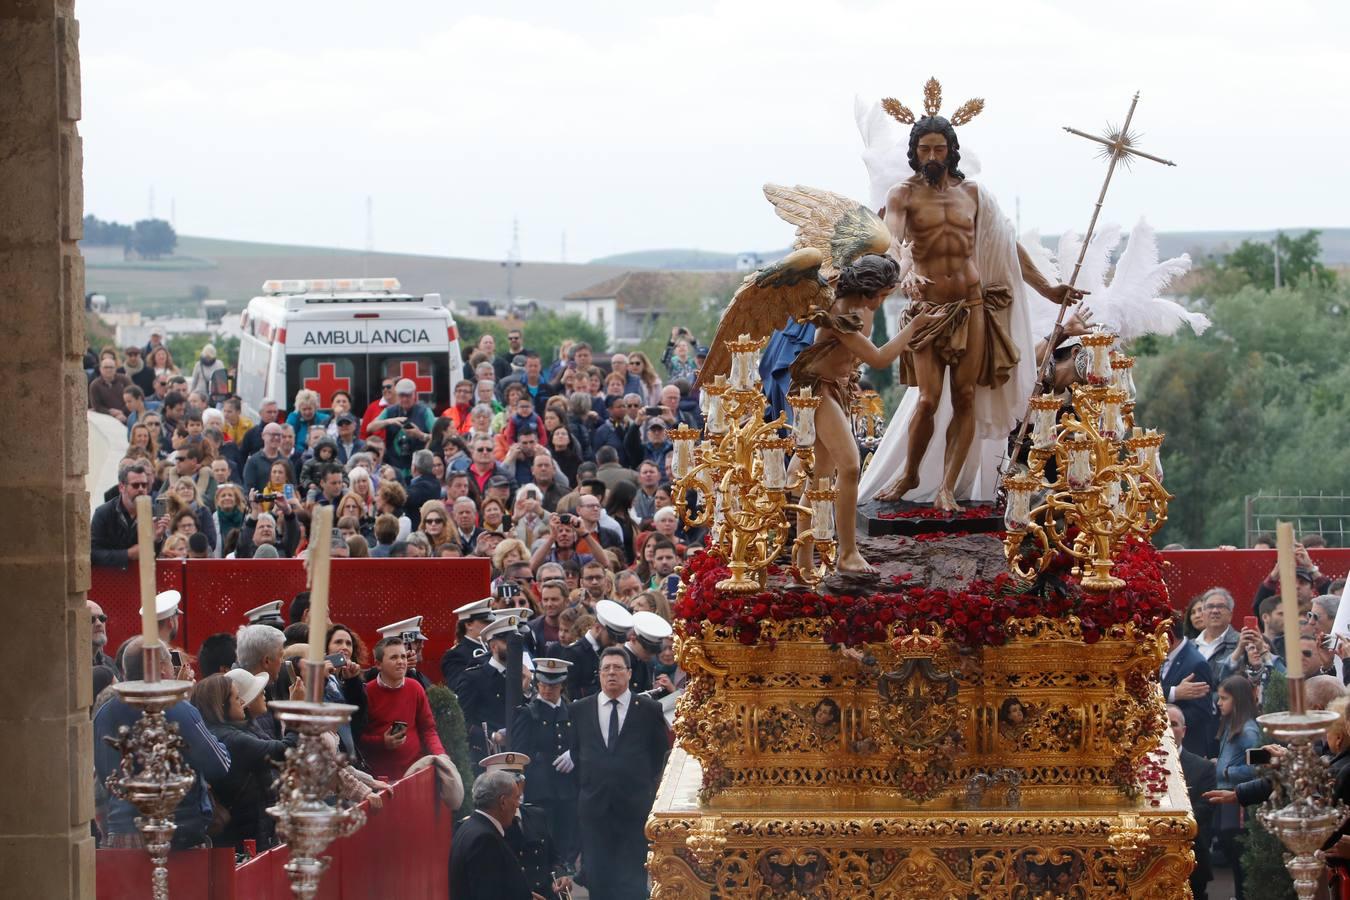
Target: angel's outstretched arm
[{"x": 883, "y": 356}]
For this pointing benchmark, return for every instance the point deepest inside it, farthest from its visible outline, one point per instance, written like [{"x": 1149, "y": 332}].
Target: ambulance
[{"x": 346, "y": 334}]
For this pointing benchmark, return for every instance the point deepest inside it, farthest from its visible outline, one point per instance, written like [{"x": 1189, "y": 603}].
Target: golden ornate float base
[{"x": 1138, "y": 851}]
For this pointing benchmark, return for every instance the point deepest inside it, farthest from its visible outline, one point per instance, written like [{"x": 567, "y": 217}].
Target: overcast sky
[{"x": 629, "y": 128}]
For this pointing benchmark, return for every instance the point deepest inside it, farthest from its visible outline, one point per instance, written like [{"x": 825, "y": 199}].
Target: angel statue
[{"x": 835, "y": 279}]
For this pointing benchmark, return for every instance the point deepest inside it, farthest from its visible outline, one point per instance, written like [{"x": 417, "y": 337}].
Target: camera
[{"x": 270, "y": 496}]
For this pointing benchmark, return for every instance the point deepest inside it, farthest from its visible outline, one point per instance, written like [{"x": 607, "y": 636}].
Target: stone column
[{"x": 46, "y": 752}]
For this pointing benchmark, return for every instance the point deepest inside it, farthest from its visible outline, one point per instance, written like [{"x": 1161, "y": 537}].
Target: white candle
[
  {"x": 1284, "y": 545},
  {"x": 822, "y": 524},
  {"x": 775, "y": 468},
  {"x": 145, "y": 543},
  {"x": 320, "y": 550}
]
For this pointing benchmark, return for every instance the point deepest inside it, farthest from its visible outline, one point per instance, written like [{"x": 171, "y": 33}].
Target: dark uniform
[
  {"x": 482, "y": 696},
  {"x": 640, "y": 681},
  {"x": 544, "y": 733},
  {"x": 583, "y": 679},
  {"x": 466, "y": 654},
  {"x": 531, "y": 841}
]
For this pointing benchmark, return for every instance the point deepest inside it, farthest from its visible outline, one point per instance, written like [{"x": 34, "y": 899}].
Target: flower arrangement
[{"x": 971, "y": 616}]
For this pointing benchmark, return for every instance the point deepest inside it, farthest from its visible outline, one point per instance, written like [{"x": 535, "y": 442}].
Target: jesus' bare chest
[{"x": 941, "y": 223}]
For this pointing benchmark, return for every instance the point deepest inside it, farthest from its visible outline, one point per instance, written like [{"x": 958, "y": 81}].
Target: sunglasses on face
[
  {"x": 98, "y": 618},
  {"x": 435, "y": 521}
]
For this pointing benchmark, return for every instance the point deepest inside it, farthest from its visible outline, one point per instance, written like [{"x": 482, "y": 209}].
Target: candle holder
[
  {"x": 305, "y": 819},
  {"x": 1106, "y": 487},
  {"x": 1303, "y": 812},
  {"x": 153, "y": 776},
  {"x": 743, "y": 471}
]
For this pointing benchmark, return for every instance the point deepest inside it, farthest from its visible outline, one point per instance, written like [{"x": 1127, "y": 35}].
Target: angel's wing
[
  {"x": 840, "y": 228},
  {"x": 1043, "y": 314},
  {"x": 1130, "y": 306},
  {"x": 766, "y": 301}
]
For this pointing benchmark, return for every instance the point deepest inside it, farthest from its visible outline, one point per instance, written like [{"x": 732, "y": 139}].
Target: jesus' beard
[{"x": 932, "y": 172}]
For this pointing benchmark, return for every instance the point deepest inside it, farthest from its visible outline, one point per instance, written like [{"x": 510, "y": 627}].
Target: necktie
[{"x": 613, "y": 737}]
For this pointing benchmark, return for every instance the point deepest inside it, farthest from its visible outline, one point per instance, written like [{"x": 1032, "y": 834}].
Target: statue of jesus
[{"x": 974, "y": 336}]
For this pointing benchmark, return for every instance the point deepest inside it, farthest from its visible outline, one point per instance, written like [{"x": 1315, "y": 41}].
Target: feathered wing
[
  {"x": 839, "y": 228},
  {"x": 1042, "y": 314},
  {"x": 766, "y": 301},
  {"x": 1130, "y": 305}
]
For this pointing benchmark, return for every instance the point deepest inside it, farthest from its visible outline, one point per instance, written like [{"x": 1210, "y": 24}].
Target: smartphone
[
  {"x": 399, "y": 727},
  {"x": 1258, "y": 756},
  {"x": 654, "y": 410},
  {"x": 289, "y": 492},
  {"x": 176, "y": 658},
  {"x": 161, "y": 506},
  {"x": 337, "y": 659},
  {"x": 1250, "y": 622},
  {"x": 295, "y": 666}
]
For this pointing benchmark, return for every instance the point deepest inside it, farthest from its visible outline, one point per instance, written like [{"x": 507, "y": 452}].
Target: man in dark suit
[
  {"x": 423, "y": 486},
  {"x": 1200, "y": 777},
  {"x": 619, "y": 749},
  {"x": 482, "y": 866},
  {"x": 1188, "y": 682}
]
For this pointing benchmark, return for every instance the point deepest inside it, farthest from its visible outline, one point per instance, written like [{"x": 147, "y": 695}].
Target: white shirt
[
  {"x": 495, "y": 823},
  {"x": 1206, "y": 647},
  {"x": 604, "y": 710}
]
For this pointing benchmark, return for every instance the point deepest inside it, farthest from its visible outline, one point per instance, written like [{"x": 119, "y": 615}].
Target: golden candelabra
[
  {"x": 743, "y": 471},
  {"x": 1104, "y": 486}
]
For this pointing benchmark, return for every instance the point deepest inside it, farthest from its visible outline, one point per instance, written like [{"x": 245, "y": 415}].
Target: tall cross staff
[{"x": 1118, "y": 146}]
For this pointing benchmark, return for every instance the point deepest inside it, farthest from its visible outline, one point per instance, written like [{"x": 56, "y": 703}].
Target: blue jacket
[
  {"x": 1232, "y": 768},
  {"x": 205, "y": 755},
  {"x": 1201, "y": 720}
]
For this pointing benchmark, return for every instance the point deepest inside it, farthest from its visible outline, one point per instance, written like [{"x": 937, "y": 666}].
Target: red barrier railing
[
  {"x": 1191, "y": 572},
  {"x": 365, "y": 594},
  {"x": 403, "y": 850}
]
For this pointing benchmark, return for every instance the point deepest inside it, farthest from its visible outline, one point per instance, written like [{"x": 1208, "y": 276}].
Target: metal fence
[{"x": 1324, "y": 514}]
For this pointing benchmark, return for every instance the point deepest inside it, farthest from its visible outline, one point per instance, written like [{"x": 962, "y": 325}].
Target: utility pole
[
  {"x": 370, "y": 234},
  {"x": 1275, "y": 245},
  {"x": 512, "y": 261},
  {"x": 152, "y": 202},
  {"x": 173, "y": 213},
  {"x": 562, "y": 255}
]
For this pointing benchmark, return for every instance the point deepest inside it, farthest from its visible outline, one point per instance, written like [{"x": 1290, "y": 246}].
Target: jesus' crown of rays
[{"x": 932, "y": 105}]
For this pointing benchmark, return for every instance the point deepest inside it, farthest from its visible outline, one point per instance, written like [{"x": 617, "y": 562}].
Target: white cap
[
  {"x": 651, "y": 628},
  {"x": 505, "y": 762},
  {"x": 478, "y": 609},
  {"x": 414, "y": 625},
  {"x": 613, "y": 616},
  {"x": 266, "y": 611},
  {"x": 520, "y": 612},
  {"x": 500, "y": 627},
  {"x": 249, "y": 686},
  {"x": 550, "y": 670},
  {"x": 166, "y": 604},
  {"x": 405, "y": 386}
]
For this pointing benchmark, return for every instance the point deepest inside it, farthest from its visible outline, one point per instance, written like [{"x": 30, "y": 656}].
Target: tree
[
  {"x": 1299, "y": 259},
  {"x": 105, "y": 234},
  {"x": 882, "y": 379},
  {"x": 153, "y": 238},
  {"x": 544, "y": 333}
]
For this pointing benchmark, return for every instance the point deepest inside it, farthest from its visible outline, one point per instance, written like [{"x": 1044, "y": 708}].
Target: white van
[{"x": 349, "y": 334}]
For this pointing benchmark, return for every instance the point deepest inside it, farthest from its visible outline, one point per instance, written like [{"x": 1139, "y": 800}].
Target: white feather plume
[
  {"x": 1130, "y": 305},
  {"x": 1042, "y": 313}
]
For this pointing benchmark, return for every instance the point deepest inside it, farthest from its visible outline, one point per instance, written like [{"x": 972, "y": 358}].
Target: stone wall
[{"x": 46, "y": 753}]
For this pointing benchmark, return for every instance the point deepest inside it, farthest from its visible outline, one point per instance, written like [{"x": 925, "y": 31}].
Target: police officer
[
  {"x": 542, "y": 729},
  {"x": 468, "y": 651},
  {"x": 482, "y": 689},
  {"x": 528, "y": 835},
  {"x": 648, "y": 636},
  {"x": 612, "y": 623}
]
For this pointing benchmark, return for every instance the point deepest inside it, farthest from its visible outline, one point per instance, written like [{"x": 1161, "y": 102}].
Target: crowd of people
[
  {"x": 556, "y": 471},
  {"x": 1215, "y": 680}
]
